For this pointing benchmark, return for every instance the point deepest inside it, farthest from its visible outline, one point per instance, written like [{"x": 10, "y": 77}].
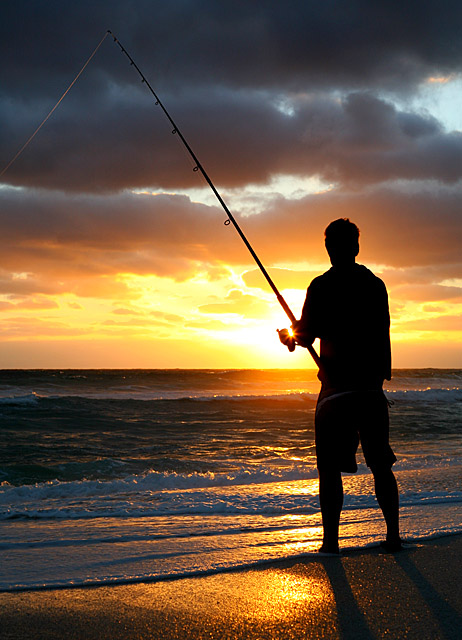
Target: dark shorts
[{"x": 343, "y": 419}]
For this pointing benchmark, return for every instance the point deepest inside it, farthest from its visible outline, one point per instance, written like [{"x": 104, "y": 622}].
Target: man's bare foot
[
  {"x": 392, "y": 545},
  {"x": 325, "y": 548}
]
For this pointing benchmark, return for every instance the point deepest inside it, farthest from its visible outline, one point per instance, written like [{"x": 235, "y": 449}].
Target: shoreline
[
  {"x": 281, "y": 563},
  {"x": 362, "y": 594}
]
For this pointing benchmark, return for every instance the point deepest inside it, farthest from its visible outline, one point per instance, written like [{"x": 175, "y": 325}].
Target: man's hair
[{"x": 342, "y": 233}]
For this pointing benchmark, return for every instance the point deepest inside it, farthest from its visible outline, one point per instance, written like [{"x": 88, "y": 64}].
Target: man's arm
[
  {"x": 387, "y": 343},
  {"x": 305, "y": 329},
  {"x": 302, "y": 333}
]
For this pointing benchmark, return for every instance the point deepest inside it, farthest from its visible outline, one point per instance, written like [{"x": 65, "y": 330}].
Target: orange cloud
[
  {"x": 237, "y": 302},
  {"x": 427, "y": 292},
  {"x": 284, "y": 278},
  {"x": 439, "y": 323}
]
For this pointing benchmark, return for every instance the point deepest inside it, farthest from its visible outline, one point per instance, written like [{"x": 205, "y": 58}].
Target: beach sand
[{"x": 363, "y": 594}]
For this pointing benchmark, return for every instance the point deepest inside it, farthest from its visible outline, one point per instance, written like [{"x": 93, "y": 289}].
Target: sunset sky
[{"x": 114, "y": 252}]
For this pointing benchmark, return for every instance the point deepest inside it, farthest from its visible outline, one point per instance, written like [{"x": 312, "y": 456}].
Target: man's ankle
[
  {"x": 329, "y": 547},
  {"x": 392, "y": 544}
]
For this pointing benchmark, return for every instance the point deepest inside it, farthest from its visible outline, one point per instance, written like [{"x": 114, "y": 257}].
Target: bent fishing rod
[{"x": 231, "y": 219}]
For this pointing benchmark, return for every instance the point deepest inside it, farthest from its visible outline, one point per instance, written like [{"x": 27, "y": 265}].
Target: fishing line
[
  {"x": 198, "y": 167},
  {"x": 56, "y": 105}
]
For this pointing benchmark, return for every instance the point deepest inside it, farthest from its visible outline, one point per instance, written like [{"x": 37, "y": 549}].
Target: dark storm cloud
[
  {"x": 239, "y": 43},
  {"x": 240, "y": 138},
  {"x": 222, "y": 69}
]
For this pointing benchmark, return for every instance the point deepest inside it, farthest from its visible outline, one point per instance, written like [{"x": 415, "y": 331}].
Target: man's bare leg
[
  {"x": 331, "y": 499},
  {"x": 386, "y": 491}
]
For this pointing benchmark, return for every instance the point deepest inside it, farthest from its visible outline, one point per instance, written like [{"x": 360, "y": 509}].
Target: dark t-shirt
[{"x": 347, "y": 308}]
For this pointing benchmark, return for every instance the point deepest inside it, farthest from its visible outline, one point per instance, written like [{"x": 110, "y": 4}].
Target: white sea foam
[
  {"x": 29, "y": 399},
  {"x": 149, "y": 483},
  {"x": 453, "y": 394},
  {"x": 152, "y": 482},
  {"x": 136, "y": 497}
]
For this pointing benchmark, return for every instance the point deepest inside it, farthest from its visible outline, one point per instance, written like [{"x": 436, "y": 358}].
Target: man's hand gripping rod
[{"x": 198, "y": 167}]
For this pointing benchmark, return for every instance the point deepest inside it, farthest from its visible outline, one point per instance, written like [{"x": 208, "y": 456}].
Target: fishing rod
[{"x": 231, "y": 219}]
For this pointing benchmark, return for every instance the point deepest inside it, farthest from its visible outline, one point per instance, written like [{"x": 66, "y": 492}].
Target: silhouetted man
[{"x": 347, "y": 308}]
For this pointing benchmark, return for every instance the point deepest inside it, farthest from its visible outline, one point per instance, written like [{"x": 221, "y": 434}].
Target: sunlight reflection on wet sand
[{"x": 365, "y": 595}]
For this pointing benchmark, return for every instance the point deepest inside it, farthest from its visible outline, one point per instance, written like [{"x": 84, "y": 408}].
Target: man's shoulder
[
  {"x": 319, "y": 280},
  {"x": 357, "y": 272},
  {"x": 320, "y": 283},
  {"x": 359, "y": 276},
  {"x": 364, "y": 272}
]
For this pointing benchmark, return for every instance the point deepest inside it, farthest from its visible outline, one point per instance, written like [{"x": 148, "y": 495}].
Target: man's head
[{"x": 342, "y": 241}]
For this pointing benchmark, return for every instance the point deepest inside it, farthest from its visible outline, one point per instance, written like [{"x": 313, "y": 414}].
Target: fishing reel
[{"x": 287, "y": 338}]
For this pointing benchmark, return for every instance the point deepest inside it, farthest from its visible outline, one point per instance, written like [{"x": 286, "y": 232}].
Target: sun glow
[{"x": 220, "y": 318}]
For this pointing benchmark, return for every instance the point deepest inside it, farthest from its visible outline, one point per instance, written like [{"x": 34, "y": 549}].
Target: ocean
[{"x": 117, "y": 476}]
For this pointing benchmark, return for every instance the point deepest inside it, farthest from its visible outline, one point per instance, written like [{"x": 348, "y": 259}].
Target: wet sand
[{"x": 364, "y": 594}]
